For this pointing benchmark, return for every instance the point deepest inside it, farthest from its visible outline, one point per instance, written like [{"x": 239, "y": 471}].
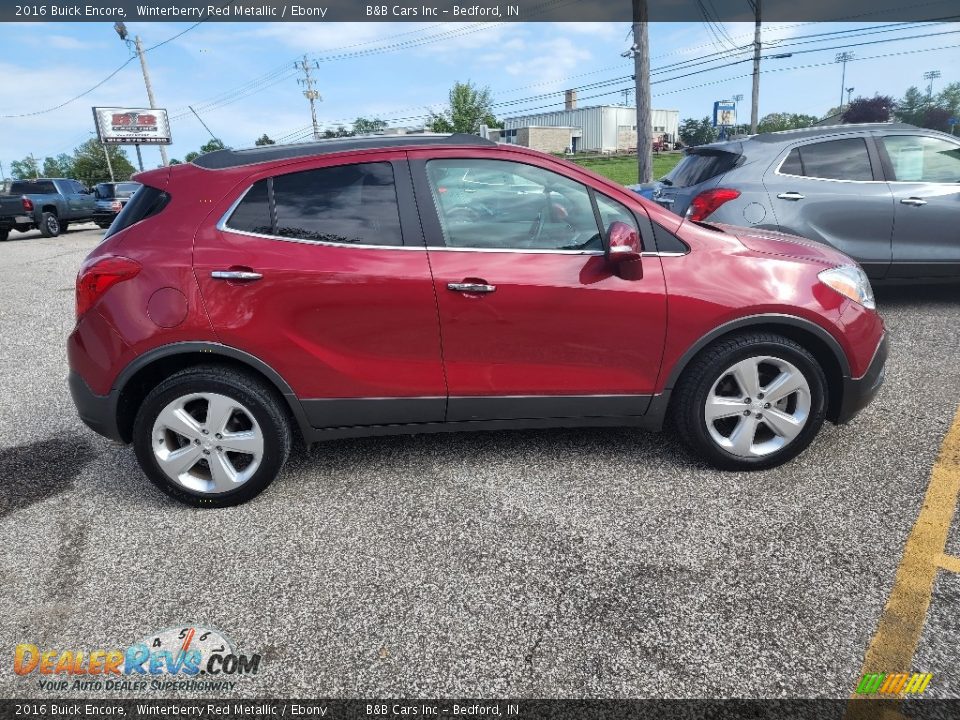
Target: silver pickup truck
[{"x": 45, "y": 204}]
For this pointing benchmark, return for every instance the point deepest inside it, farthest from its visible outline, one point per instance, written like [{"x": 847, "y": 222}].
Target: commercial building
[{"x": 598, "y": 128}]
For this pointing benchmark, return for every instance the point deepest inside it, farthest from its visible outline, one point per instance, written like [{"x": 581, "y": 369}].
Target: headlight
[{"x": 850, "y": 281}]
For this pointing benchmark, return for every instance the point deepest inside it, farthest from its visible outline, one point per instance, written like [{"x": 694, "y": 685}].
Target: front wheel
[
  {"x": 751, "y": 402},
  {"x": 211, "y": 436}
]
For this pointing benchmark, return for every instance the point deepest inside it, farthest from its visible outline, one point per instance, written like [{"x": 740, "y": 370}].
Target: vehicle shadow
[
  {"x": 36, "y": 471},
  {"x": 908, "y": 295}
]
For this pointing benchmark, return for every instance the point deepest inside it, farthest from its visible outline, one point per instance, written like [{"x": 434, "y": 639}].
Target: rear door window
[
  {"x": 253, "y": 212},
  {"x": 697, "y": 167},
  {"x": 354, "y": 204},
  {"x": 845, "y": 159}
]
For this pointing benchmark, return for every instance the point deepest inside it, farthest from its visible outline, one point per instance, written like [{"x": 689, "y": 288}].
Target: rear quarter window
[
  {"x": 697, "y": 167},
  {"x": 146, "y": 202}
]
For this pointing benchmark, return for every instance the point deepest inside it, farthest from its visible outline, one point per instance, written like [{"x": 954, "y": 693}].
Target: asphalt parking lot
[{"x": 572, "y": 563}]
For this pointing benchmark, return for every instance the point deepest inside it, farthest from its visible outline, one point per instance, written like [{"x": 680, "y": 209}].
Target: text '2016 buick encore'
[{"x": 386, "y": 285}]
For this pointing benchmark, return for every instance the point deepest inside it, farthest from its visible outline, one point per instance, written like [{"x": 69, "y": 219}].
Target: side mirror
[{"x": 623, "y": 243}]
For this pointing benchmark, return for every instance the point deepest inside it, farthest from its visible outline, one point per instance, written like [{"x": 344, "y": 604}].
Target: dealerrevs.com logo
[{"x": 182, "y": 658}]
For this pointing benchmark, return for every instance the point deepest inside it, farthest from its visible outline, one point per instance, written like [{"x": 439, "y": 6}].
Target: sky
[{"x": 240, "y": 77}]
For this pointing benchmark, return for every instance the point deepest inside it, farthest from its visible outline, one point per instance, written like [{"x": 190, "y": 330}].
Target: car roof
[
  {"x": 222, "y": 159},
  {"x": 819, "y": 130}
]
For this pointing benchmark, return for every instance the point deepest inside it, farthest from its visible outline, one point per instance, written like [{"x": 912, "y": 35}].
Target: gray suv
[{"x": 887, "y": 195}]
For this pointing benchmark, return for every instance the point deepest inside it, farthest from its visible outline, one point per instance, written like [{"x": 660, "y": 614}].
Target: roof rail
[{"x": 222, "y": 159}]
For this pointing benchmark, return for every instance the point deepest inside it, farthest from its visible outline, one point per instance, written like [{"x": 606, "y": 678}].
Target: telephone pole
[
  {"x": 757, "y": 47},
  {"x": 310, "y": 94},
  {"x": 121, "y": 29},
  {"x": 641, "y": 73}
]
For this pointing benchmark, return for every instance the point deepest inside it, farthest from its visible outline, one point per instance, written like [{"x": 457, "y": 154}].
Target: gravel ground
[{"x": 571, "y": 563}]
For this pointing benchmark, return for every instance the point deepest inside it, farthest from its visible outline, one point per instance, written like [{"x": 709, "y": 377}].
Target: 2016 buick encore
[{"x": 384, "y": 285}]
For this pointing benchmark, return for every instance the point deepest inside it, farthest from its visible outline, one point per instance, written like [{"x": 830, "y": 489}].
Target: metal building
[{"x": 599, "y": 128}]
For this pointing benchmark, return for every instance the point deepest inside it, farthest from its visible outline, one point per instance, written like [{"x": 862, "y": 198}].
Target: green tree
[
  {"x": 265, "y": 140},
  {"x": 469, "y": 108},
  {"x": 340, "y": 132},
  {"x": 697, "y": 132},
  {"x": 949, "y": 98},
  {"x": 365, "y": 126},
  {"x": 90, "y": 163},
  {"x": 913, "y": 106},
  {"x": 213, "y": 145},
  {"x": 191, "y": 156},
  {"x": 869, "y": 110},
  {"x": 775, "y": 122},
  {"x": 60, "y": 166},
  {"x": 25, "y": 169}
]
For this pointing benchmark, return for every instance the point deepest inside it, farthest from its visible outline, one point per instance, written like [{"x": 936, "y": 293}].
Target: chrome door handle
[
  {"x": 235, "y": 275},
  {"x": 471, "y": 287},
  {"x": 917, "y": 202},
  {"x": 790, "y": 196}
]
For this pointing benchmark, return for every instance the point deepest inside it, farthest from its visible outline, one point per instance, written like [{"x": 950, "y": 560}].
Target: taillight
[
  {"x": 706, "y": 203},
  {"x": 94, "y": 281},
  {"x": 117, "y": 206},
  {"x": 27, "y": 204}
]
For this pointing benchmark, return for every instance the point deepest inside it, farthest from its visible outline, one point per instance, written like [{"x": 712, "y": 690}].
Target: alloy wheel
[
  {"x": 757, "y": 406},
  {"x": 207, "y": 442}
]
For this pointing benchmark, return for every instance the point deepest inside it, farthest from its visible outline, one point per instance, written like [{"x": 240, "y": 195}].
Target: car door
[
  {"x": 923, "y": 174},
  {"x": 833, "y": 191},
  {"x": 76, "y": 200},
  {"x": 319, "y": 273},
  {"x": 535, "y": 322}
]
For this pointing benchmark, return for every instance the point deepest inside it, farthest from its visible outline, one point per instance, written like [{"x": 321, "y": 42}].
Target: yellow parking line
[
  {"x": 898, "y": 632},
  {"x": 949, "y": 562}
]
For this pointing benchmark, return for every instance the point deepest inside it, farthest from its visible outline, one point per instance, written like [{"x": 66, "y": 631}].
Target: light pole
[
  {"x": 138, "y": 46},
  {"x": 736, "y": 109},
  {"x": 844, "y": 58},
  {"x": 930, "y": 76}
]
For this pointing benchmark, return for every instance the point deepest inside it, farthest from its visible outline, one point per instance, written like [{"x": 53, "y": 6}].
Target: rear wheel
[
  {"x": 211, "y": 436},
  {"x": 751, "y": 402},
  {"x": 49, "y": 224}
]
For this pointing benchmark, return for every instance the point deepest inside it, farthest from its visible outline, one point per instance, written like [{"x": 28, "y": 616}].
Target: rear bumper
[
  {"x": 98, "y": 412},
  {"x": 859, "y": 392}
]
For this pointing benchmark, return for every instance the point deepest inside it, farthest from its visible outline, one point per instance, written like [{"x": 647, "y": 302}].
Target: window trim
[
  {"x": 222, "y": 225},
  {"x": 872, "y": 157}
]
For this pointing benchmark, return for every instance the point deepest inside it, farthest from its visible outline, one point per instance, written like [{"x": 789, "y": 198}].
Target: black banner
[
  {"x": 468, "y": 709},
  {"x": 467, "y": 11}
]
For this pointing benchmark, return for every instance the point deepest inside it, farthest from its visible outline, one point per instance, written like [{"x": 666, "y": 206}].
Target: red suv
[{"x": 384, "y": 285}]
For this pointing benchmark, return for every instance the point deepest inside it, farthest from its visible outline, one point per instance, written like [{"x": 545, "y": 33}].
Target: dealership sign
[
  {"x": 724, "y": 113},
  {"x": 132, "y": 126}
]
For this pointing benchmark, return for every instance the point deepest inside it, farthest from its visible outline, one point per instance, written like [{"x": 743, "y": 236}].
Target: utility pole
[
  {"x": 153, "y": 103},
  {"x": 757, "y": 47},
  {"x": 641, "y": 73},
  {"x": 121, "y": 30},
  {"x": 844, "y": 58},
  {"x": 310, "y": 94}
]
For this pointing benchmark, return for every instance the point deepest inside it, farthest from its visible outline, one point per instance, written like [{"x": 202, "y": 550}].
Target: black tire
[
  {"x": 49, "y": 224},
  {"x": 260, "y": 400},
  {"x": 709, "y": 368},
  {"x": 4, "y": 235}
]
